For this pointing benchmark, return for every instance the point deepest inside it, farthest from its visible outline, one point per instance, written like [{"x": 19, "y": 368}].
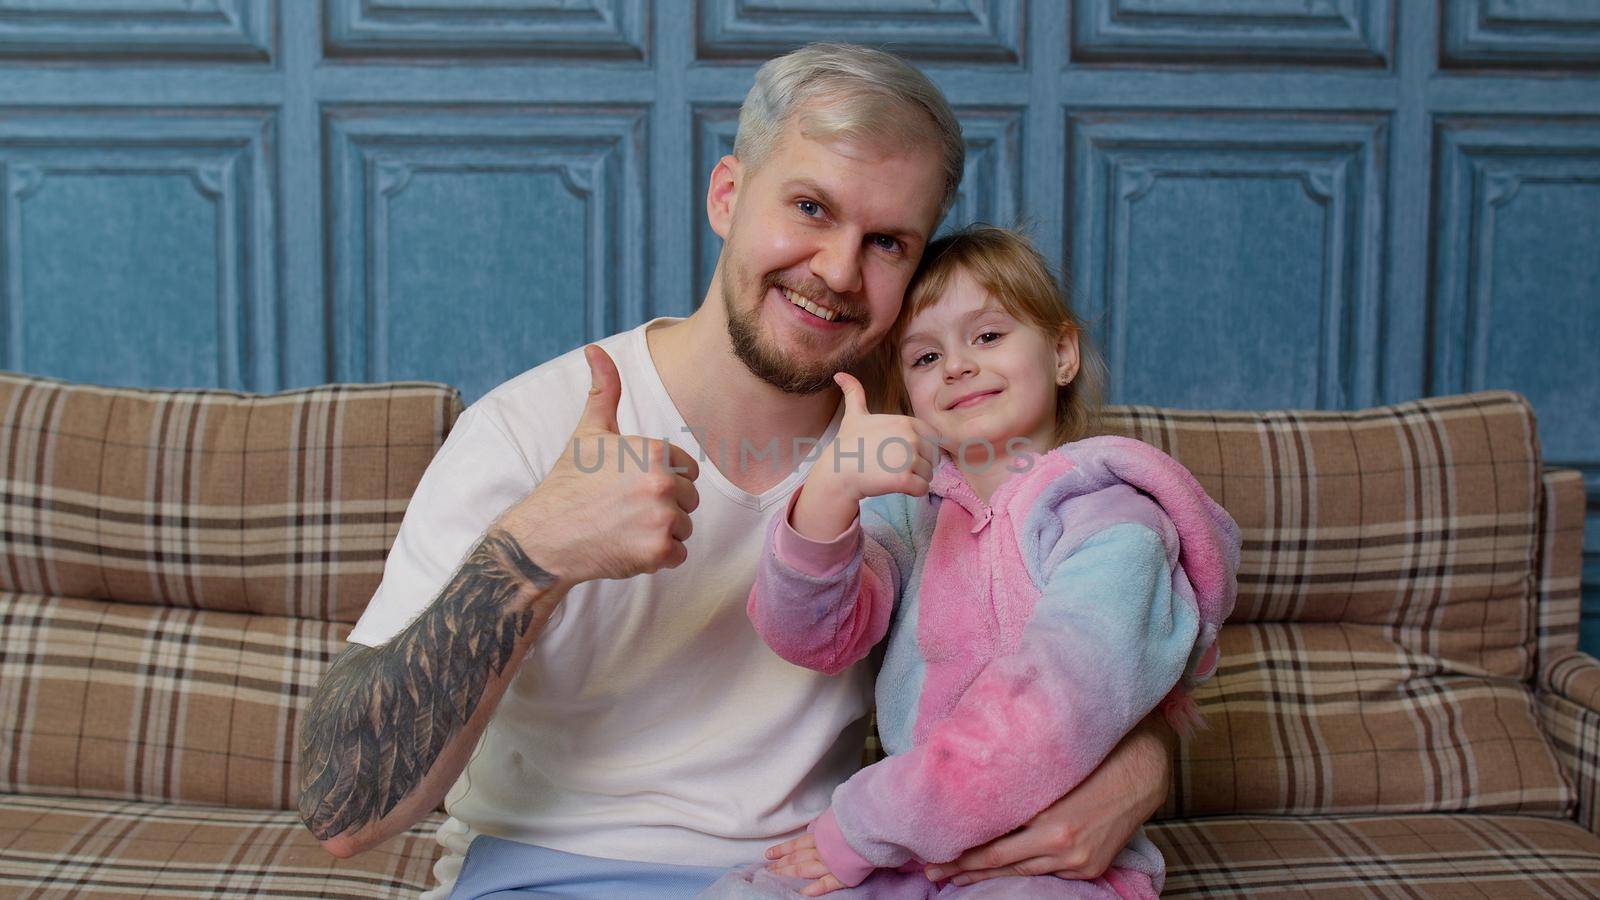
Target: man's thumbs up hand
[{"x": 600, "y": 513}]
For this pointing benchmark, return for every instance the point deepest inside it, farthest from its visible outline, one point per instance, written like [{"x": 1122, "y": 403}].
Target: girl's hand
[
  {"x": 898, "y": 453},
  {"x": 875, "y": 454},
  {"x": 799, "y": 857}
]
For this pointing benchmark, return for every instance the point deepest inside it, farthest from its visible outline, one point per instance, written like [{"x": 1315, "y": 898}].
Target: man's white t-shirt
[{"x": 649, "y": 722}]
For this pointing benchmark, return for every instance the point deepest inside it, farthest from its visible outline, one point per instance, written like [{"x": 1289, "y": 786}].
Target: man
[{"x": 559, "y": 640}]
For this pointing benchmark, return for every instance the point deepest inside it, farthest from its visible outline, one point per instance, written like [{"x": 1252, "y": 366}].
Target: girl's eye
[
  {"x": 989, "y": 334},
  {"x": 810, "y": 207},
  {"x": 924, "y": 359}
]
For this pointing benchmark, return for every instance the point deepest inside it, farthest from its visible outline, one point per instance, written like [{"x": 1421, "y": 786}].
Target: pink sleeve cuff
[
  {"x": 819, "y": 559},
  {"x": 842, "y": 859},
  {"x": 1208, "y": 662}
]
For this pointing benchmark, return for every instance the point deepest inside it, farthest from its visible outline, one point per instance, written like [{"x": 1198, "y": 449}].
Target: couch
[{"x": 1401, "y": 708}]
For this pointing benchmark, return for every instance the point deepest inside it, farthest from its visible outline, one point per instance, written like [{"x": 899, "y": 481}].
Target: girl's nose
[{"x": 958, "y": 364}]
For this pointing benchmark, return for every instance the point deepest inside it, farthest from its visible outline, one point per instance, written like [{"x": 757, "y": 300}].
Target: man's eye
[
  {"x": 810, "y": 207},
  {"x": 924, "y": 359},
  {"x": 884, "y": 242}
]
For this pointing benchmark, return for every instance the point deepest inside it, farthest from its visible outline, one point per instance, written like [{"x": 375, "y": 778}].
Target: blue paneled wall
[{"x": 1308, "y": 203}]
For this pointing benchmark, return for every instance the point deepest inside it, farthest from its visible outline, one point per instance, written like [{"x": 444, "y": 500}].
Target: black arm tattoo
[{"x": 382, "y": 715}]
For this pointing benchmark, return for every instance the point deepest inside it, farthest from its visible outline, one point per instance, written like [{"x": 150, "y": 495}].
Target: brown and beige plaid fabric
[
  {"x": 61, "y": 847},
  {"x": 119, "y": 700},
  {"x": 1467, "y": 856},
  {"x": 1419, "y": 518},
  {"x": 1569, "y": 701},
  {"x": 1379, "y": 656},
  {"x": 281, "y": 504},
  {"x": 1339, "y": 718},
  {"x": 1560, "y": 563}
]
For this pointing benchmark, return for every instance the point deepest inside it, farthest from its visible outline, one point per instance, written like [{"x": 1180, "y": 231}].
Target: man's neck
[{"x": 729, "y": 407}]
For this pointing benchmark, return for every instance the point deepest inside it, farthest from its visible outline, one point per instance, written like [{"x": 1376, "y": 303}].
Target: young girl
[{"x": 1040, "y": 597}]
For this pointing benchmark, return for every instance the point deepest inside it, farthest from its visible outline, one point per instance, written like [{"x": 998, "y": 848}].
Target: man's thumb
[
  {"x": 605, "y": 389},
  {"x": 855, "y": 396}
]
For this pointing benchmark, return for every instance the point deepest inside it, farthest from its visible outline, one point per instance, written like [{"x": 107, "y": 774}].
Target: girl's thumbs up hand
[{"x": 876, "y": 453}]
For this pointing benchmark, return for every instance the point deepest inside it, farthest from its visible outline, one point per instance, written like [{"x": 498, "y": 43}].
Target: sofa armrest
[{"x": 1569, "y": 706}]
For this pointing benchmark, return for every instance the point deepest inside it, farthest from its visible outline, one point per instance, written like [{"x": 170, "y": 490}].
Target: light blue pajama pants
[{"x": 499, "y": 868}]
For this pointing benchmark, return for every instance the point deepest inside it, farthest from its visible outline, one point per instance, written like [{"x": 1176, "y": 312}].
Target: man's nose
[{"x": 838, "y": 263}]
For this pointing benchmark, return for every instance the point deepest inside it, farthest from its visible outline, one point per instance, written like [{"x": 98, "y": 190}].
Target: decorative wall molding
[
  {"x": 376, "y": 153},
  {"x": 70, "y": 30},
  {"x": 1294, "y": 32},
  {"x": 522, "y": 29},
  {"x": 1118, "y": 160},
  {"x": 1517, "y": 217},
  {"x": 978, "y": 31},
  {"x": 223, "y": 158},
  {"x": 1534, "y": 33}
]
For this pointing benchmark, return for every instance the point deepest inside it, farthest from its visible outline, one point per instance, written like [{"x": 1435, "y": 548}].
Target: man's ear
[
  {"x": 723, "y": 193},
  {"x": 1067, "y": 355}
]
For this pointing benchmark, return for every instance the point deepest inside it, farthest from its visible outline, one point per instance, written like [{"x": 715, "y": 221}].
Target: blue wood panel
[
  {"x": 468, "y": 246},
  {"x": 526, "y": 29},
  {"x": 1517, "y": 270},
  {"x": 1521, "y": 33},
  {"x": 138, "y": 250},
  {"x": 1293, "y": 32},
  {"x": 1229, "y": 261},
  {"x": 987, "y": 31},
  {"x": 233, "y": 30}
]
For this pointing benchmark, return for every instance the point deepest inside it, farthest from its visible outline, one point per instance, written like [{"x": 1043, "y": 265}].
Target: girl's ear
[
  {"x": 722, "y": 194},
  {"x": 1066, "y": 355}
]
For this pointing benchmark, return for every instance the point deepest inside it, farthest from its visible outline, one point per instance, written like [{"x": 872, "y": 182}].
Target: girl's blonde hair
[{"x": 1004, "y": 263}]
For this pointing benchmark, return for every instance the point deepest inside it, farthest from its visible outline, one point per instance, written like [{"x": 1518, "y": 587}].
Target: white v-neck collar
[{"x": 709, "y": 473}]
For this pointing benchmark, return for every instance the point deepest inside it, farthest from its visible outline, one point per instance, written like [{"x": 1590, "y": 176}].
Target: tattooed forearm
[{"x": 382, "y": 715}]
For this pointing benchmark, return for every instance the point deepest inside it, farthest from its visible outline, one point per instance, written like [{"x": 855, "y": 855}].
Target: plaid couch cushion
[
  {"x": 51, "y": 847},
  {"x": 282, "y": 504},
  {"x": 1340, "y": 718},
  {"x": 1378, "y": 856},
  {"x": 154, "y": 703},
  {"x": 1420, "y": 519}
]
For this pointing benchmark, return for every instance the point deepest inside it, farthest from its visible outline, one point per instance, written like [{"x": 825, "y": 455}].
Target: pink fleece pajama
[{"x": 1026, "y": 637}]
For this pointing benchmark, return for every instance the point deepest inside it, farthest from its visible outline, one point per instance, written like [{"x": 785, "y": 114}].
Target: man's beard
[{"x": 771, "y": 366}]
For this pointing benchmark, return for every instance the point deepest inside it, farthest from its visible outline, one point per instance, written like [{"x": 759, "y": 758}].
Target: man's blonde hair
[
  {"x": 854, "y": 93},
  {"x": 1004, "y": 263}
]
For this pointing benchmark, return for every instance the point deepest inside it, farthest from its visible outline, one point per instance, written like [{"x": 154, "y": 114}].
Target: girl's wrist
[{"x": 823, "y": 511}]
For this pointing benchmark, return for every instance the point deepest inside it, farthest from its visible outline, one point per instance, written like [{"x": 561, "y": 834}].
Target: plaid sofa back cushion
[
  {"x": 282, "y": 504},
  {"x": 1385, "y": 632},
  {"x": 1421, "y": 519}
]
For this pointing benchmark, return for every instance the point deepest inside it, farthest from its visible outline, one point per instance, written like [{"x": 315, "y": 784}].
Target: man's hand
[
  {"x": 627, "y": 515},
  {"x": 1079, "y": 835},
  {"x": 799, "y": 857}
]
